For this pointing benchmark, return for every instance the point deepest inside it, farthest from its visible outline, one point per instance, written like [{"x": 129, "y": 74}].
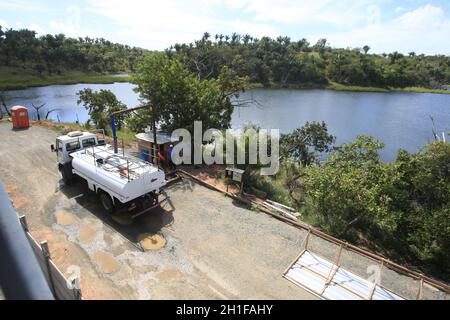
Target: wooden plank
[
  {"x": 333, "y": 270},
  {"x": 46, "y": 256},
  {"x": 52, "y": 274},
  {"x": 419, "y": 293},
  {"x": 288, "y": 214},
  {"x": 281, "y": 205}
]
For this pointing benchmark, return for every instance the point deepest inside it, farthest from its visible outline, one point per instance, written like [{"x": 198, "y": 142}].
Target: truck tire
[
  {"x": 106, "y": 202},
  {"x": 67, "y": 178}
]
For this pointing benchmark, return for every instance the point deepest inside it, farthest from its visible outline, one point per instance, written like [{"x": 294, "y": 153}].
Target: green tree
[
  {"x": 182, "y": 98},
  {"x": 347, "y": 189},
  {"x": 423, "y": 195},
  {"x": 299, "y": 149},
  {"x": 306, "y": 143},
  {"x": 100, "y": 105}
]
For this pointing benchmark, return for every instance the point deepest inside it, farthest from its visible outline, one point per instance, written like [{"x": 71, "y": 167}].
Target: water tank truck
[{"x": 121, "y": 181}]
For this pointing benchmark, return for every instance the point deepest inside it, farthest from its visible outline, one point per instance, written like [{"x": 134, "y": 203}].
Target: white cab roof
[{"x": 83, "y": 135}]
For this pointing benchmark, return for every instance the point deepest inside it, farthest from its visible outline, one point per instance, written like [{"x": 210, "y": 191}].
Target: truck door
[{"x": 59, "y": 151}]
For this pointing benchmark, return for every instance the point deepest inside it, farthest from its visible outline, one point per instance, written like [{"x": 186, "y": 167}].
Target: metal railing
[{"x": 133, "y": 164}]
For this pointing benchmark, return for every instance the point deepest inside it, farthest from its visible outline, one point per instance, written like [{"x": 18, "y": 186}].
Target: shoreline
[
  {"x": 349, "y": 88},
  {"x": 78, "y": 78},
  {"x": 33, "y": 82}
]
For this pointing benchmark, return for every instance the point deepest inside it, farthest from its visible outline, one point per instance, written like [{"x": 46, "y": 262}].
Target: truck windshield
[{"x": 72, "y": 146}]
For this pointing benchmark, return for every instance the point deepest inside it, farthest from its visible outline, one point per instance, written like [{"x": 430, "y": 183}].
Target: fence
[
  {"x": 26, "y": 269},
  {"x": 62, "y": 288}
]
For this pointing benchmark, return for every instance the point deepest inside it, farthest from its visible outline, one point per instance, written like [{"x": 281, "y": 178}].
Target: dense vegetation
[
  {"x": 401, "y": 209},
  {"x": 265, "y": 61},
  {"x": 57, "y": 54},
  {"x": 285, "y": 62}
]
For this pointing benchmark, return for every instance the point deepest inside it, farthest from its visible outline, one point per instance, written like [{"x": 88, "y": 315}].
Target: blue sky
[{"x": 422, "y": 26}]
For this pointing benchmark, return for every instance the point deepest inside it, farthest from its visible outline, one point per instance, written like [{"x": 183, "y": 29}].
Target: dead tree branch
[
  {"x": 38, "y": 108},
  {"x": 3, "y": 102}
]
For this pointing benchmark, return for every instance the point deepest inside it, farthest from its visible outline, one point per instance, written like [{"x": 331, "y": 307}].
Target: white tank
[{"x": 126, "y": 178}]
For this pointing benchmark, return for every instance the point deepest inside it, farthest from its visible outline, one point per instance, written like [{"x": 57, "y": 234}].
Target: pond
[{"x": 400, "y": 120}]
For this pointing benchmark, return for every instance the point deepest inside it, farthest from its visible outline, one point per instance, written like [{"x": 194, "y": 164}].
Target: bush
[{"x": 405, "y": 206}]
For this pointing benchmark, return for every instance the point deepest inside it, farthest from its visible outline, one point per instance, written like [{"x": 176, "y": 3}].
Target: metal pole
[
  {"x": 155, "y": 142},
  {"x": 21, "y": 277},
  {"x": 114, "y": 131},
  {"x": 128, "y": 170}
]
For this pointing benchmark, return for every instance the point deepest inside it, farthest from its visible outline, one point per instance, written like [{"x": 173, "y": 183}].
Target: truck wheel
[
  {"x": 66, "y": 178},
  {"x": 107, "y": 203},
  {"x": 66, "y": 173}
]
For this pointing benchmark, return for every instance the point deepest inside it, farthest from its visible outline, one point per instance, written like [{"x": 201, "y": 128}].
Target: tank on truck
[{"x": 114, "y": 129}]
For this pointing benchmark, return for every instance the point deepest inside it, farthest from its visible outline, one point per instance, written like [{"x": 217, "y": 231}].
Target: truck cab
[{"x": 69, "y": 143}]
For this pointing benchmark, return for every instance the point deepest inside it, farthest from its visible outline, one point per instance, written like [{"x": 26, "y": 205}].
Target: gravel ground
[{"x": 215, "y": 248}]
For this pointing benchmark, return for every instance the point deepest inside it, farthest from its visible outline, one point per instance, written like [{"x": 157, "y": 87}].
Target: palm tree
[
  {"x": 366, "y": 49},
  {"x": 246, "y": 38}
]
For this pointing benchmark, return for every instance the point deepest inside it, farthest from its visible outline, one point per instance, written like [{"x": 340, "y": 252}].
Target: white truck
[{"x": 120, "y": 180}]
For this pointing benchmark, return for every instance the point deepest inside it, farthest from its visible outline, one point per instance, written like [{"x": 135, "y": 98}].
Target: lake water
[{"x": 400, "y": 120}]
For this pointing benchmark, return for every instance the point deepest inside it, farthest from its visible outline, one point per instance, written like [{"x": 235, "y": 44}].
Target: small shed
[
  {"x": 145, "y": 144},
  {"x": 20, "y": 117}
]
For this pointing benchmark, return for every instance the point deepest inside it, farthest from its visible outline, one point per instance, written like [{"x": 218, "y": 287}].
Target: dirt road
[{"x": 214, "y": 249}]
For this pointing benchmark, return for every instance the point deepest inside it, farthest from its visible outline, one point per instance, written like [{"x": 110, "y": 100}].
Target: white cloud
[
  {"x": 32, "y": 26},
  {"x": 19, "y": 5},
  {"x": 157, "y": 25},
  {"x": 4, "y": 24},
  {"x": 36, "y": 27},
  {"x": 343, "y": 12},
  {"x": 72, "y": 26},
  {"x": 423, "y": 30}
]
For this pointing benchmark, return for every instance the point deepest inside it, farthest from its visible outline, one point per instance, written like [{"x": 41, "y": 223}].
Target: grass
[
  {"x": 126, "y": 135},
  {"x": 343, "y": 87},
  {"x": 423, "y": 90},
  {"x": 63, "y": 127},
  {"x": 14, "y": 79}
]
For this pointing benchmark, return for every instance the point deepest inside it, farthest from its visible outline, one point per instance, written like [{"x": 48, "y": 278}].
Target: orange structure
[{"x": 19, "y": 117}]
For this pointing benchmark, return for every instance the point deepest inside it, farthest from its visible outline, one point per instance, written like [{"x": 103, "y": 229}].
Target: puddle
[
  {"x": 168, "y": 274},
  {"x": 151, "y": 241},
  {"x": 65, "y": 218},
  {"x": 87, "y": 233},
  {"x": 106, "y": 262}
]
